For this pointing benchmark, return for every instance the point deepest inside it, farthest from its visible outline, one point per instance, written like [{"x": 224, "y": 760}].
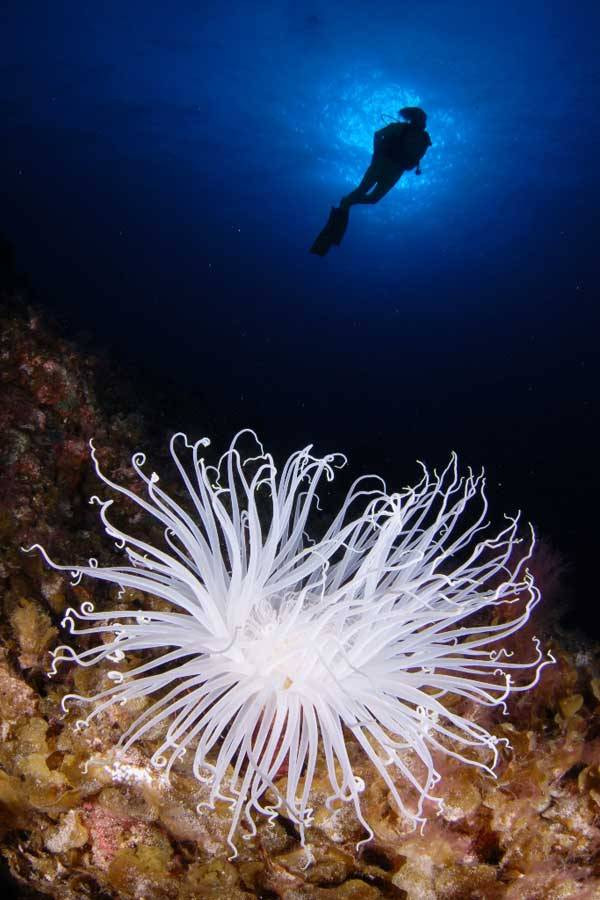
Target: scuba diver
[{"x": 397, "y": 148}]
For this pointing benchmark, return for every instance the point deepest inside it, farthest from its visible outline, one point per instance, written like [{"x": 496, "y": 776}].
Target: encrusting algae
[{"x": 80, "y": 820}]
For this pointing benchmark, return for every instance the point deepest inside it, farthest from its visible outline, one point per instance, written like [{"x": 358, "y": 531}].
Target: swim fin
[{"x": 333, "y": 233}]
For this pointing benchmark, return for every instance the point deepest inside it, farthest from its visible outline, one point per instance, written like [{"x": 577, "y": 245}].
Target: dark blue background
[{"x": 165, "y": 167}]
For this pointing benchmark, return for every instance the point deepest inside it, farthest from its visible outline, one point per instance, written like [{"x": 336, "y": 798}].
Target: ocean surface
[{"x": 164, "y": 169}]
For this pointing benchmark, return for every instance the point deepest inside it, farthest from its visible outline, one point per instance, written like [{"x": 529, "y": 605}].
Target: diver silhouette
[{"x": 397, "y": 148}]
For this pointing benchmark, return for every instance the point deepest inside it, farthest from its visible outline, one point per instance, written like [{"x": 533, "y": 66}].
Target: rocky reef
[{"x": 72, "y": 827}]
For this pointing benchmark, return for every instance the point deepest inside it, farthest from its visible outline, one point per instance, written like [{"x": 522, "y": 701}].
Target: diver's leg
[
  {"x": 382, "y": 187},
  {"x": 368, "y": 181}
]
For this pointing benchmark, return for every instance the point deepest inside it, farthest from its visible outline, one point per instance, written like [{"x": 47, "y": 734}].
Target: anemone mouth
[{"x": 300, "y": 657}]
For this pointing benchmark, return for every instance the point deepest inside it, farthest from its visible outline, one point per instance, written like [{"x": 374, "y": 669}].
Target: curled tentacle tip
[{"x": 29, "y": 549}]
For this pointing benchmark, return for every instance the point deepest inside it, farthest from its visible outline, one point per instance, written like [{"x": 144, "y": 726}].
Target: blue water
[{"x": 166, "y": 166}]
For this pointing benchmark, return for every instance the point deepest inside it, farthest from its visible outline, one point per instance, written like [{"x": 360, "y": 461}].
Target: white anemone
[{"x": 270, "y": 645}]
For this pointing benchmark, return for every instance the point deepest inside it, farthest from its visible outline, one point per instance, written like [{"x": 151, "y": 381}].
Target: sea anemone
[{"x": 271, "y": 645}]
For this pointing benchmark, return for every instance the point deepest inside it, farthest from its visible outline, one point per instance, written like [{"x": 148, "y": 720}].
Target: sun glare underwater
[{"x": 266, "y": 114}]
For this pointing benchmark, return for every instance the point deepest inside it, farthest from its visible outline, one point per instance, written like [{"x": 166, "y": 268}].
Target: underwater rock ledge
[{"x": 72, "y": 830}]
